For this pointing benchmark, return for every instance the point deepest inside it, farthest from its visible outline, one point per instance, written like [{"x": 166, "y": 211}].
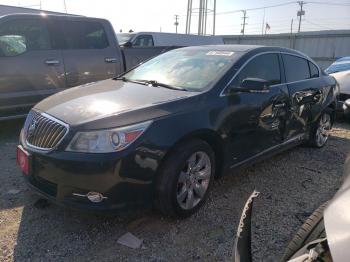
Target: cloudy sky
[{"x": 156, "y": 15}]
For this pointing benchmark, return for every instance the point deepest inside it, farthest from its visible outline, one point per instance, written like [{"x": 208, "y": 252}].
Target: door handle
[
  {"x": 52, "y": 62},
  {"x": 110, "y": 60},
  {"x": 279, "y": 105}
]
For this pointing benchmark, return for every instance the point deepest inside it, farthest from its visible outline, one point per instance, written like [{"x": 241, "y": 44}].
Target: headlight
[{"x": 106, "y": 141}]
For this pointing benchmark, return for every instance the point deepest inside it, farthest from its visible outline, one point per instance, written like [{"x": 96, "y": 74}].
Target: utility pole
[
  {"x": 205, "y": 17},
  {"x": 203, "y": 12},
  {"x": 188, "y": 17},
  {"x": 214, "y": 17},
  {"x": 176, "y": 22},
  {"x": 300, "y": 13},
  {"x": 65, "y": 6},
  {"x": 263, "y": 23},
  {"x": 244, "y": 19},
  {"x": 200, "y": 16}
]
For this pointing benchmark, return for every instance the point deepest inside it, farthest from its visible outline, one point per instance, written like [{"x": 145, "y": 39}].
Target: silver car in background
[{"x": 340, "y": 70}]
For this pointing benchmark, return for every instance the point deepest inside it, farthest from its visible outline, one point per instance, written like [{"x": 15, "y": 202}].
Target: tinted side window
[
  {"x": 313, "y": 70},
  {"x": 264, "y": 67},
  {"x": 21, "y": 35},
  {"x": 296, "y": 68},
  {"x": 84, "y": 35},
  {"x": 143, "y": 41}
]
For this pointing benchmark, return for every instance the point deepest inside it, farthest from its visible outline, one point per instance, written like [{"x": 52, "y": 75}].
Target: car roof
[
  {"x": 232, "y": 48},
  {"x": 345, "y": 58},
  {"x": 247, "y": 48}
]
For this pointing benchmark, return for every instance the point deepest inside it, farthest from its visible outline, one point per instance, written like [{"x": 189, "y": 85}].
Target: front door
[
  {"x": 256, "y": 120},
  {"x": 29, "y": 68}
]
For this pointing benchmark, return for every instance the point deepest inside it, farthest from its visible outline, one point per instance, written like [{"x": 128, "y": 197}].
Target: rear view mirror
[{"x": 254, "y": 84}]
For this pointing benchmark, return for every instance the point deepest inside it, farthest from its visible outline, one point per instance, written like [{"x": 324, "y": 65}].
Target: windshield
[
  {"x": 342, "y": 64},
  {"x": 190, "y": 69},
  {"x": 123, "y": 38}
]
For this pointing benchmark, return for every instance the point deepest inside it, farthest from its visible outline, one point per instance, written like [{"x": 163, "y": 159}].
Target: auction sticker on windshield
[{"x": 222, "y": 53}]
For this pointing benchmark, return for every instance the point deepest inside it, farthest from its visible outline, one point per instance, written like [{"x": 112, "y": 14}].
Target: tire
[
  {"x": 319, "y": 132},
  {"x": 312, "y": 229},
  {"x": 176, "y": 176}
]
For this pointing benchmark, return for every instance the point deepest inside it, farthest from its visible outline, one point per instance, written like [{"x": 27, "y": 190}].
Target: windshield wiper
[
  {"x": 124, "y": 79},
  {"x": 155, "y": 83}
]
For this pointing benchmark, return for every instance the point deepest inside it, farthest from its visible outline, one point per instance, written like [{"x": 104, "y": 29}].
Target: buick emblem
[{"x": 31, "y": 128}]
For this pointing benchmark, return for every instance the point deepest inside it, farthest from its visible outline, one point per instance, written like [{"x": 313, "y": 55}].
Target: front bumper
[{"x": 126, "y": 180}]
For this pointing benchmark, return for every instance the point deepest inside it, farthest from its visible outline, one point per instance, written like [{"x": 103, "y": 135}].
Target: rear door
[
  {"x": 256, "y": 120},
  {"x": 89, "y": 54},
  {"x": 305, "y": 88},
  {"x": 30, "y": 69}
]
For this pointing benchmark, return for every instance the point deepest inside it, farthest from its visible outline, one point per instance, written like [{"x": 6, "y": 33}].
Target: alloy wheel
[
  {"x": 194, "y": 180},
  {"x": 324, "y": 127}
]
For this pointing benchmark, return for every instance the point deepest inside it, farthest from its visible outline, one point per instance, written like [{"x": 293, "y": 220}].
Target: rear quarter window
[{"x": 313, "y": 70}]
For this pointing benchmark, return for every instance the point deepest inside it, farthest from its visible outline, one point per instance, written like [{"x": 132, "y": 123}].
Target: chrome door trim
[{"x": 293, "y": 139}]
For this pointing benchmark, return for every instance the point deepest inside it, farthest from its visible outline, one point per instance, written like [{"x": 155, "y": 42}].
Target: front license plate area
[{"x": 24, "y": 160}]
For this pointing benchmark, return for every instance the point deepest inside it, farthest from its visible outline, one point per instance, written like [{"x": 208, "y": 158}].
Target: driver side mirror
[
  {"x": 128, "y": 44},
  {"x": 255, "y": 84},
  {"x": 252, "y": 85}
]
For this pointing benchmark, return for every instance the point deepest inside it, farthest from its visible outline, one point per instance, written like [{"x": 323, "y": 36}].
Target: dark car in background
[{"x": 163, "y": 131}]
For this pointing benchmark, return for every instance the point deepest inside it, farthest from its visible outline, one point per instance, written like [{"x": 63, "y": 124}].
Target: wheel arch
[
  {"x": 332, "y": 106},
  {"x": 212, "y": 139}
]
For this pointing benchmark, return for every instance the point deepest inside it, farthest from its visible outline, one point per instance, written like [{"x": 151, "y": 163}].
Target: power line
[
  {"x": 322, "y": 26},
  {"x": 257, "y": 8},
  {"x": 283, "y": 4},
  {"x": 325, "y": 3}
]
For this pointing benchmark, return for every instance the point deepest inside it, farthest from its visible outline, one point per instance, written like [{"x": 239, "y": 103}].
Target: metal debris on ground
[
  {"x": 13, "y": 191},
  {"x": 130, "y": 240}
]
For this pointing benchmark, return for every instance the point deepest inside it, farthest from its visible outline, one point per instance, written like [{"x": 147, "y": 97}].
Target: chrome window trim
[
  {"x": 222, "y": 93},
  {"x": 46, "y": 150},
  {"x": 307, "y": 59}
]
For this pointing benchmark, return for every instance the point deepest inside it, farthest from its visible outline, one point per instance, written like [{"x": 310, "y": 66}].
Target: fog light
[{"x": 95, "y": 197}]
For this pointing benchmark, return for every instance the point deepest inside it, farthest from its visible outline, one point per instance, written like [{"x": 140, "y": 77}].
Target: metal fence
[{"x": 322, "y": 46}]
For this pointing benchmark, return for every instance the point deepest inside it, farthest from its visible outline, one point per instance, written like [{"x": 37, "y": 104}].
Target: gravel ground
[{"x": 292, "y": 184}]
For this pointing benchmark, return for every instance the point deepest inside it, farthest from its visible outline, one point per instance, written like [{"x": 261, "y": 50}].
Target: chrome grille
[{"x": 43, "y": 131}]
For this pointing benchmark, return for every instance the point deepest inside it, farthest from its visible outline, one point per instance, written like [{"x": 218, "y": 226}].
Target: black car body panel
[{"x": 240, "y": 126}]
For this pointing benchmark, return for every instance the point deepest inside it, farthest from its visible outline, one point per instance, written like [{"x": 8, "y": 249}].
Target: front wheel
[
  {"x": 320, "y": 132},
  {"x": 185, "y": 178}
]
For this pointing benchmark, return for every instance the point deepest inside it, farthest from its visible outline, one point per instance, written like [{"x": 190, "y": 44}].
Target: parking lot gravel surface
[{"x": 292, "y": 185}]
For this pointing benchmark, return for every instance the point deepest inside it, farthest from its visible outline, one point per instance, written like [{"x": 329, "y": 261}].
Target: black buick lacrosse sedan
[{"x": 160, "y": 133}]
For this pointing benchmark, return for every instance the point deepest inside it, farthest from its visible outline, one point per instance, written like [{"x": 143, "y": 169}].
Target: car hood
[
  {"x": 105, "y": 98},
  {"x": 343, "y": 79}
]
